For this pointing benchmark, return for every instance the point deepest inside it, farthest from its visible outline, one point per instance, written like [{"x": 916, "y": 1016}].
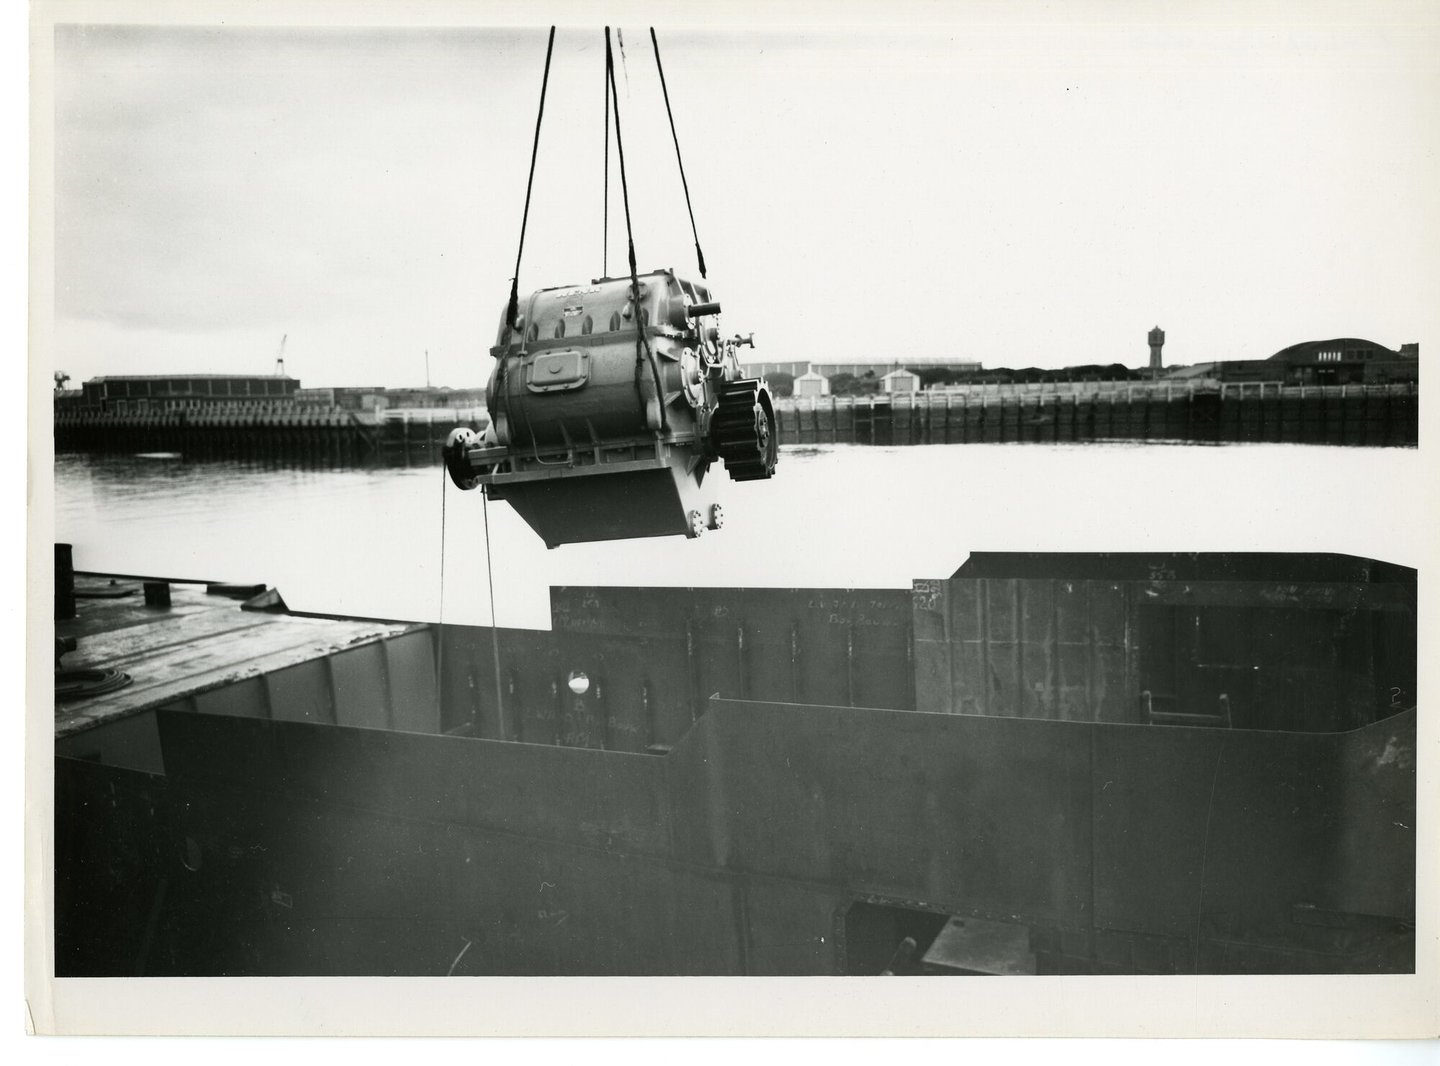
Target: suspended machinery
[
  {"x": 608, "y": 405},
  {"x": 610, "y": 402}
]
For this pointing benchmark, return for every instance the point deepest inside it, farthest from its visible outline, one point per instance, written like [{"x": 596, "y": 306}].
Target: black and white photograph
[{"x": 829, "y": 498}]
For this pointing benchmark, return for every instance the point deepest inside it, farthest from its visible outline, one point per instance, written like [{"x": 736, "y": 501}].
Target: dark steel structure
[{"x": 1042, "y": 764}]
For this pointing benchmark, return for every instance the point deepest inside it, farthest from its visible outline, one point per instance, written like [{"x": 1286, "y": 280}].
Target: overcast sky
[{"x": 1020, "y": 192}]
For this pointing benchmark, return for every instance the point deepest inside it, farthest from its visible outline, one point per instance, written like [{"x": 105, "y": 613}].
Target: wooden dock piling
[{"x": 1238, "y": 412}]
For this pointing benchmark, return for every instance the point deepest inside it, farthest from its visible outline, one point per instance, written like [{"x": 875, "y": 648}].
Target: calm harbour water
[{"x": 369, "y": 541}]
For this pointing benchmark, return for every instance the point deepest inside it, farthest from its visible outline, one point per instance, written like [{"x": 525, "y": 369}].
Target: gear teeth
[{"x": 743, "y": 430}]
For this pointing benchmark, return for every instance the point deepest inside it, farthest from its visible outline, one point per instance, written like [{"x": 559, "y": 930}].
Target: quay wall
[
  {"x": 1354, "y": 415},
  {"x": 1362, "y": 415},
  {"x": 296, "y": 432}
]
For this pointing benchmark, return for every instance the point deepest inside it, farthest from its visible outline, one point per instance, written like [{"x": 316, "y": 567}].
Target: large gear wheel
[{"x": 743, "y": 432}]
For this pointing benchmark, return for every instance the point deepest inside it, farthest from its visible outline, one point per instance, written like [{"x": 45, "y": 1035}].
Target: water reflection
[
  {"x": 418, "y": 455},
  {"x": 389, "y": 539}
]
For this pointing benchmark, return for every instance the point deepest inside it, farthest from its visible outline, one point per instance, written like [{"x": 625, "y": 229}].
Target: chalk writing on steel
[
  {"x": 926, "y": 595},
  {"x": 861, "y": 619},
  {"x": 852, "y": 603},
  {"x": 563, "y": 619}
]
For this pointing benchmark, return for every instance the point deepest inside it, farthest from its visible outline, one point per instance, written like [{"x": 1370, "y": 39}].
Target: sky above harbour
[{"x": 1017, "y": 185}]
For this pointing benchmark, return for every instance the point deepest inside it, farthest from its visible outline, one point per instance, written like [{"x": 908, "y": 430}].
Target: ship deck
[{"x": 202, "y": 639}]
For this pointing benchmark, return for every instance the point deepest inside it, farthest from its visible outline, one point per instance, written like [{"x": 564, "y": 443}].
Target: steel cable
[
  {"x": 529, "y": 184},
  {"x": 699, "y": 255}
]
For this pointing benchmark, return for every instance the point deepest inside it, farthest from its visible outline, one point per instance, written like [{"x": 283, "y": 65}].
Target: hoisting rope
[
  {"x": 494, "y": 626},
  {"x": 515, "y": 281},
  {"x": 513, "y": 308},
  {"x": 440, "y": 612},
  {"x": 624, "y": 187},
  {"x": 641, "y": 341},
  {"x": 624, "y": 63},
  {"x": 699, "y": 255},
  {"x": 605, "y": 231},
  {"x": 440, "y": 617}
]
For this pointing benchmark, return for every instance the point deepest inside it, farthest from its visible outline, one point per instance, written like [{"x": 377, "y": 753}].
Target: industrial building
[
  {"x": 1347, "y": 361},
  {"x": 811, "y": 383},
  {"x": 129, "y": 394},
  {"x": 1342, "y": 361},
  {"x": 859, "y": 370},
  {"x": 813, "y": 379},
  {"x": 900, "y": 380},
  {"x": 166, "y": 391}
]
